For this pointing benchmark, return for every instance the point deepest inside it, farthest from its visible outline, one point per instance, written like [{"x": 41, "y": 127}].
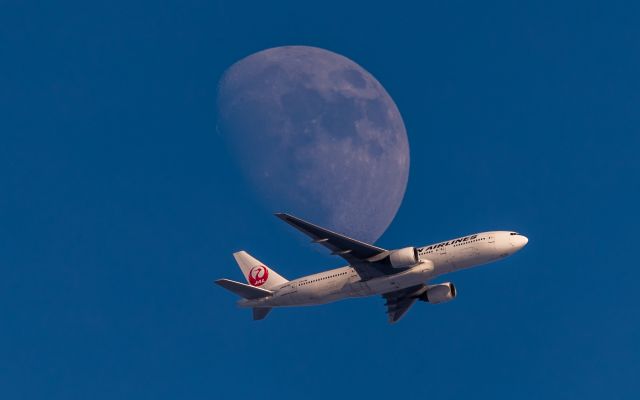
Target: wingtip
[{"x": 288, "y": 218}]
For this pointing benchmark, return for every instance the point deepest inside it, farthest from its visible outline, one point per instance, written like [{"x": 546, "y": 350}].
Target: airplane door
[
  {"x": 442, "y": 251},
  {"x": 491, "y": 241}
]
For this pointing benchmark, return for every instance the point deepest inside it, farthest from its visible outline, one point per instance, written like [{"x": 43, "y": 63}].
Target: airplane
[{"x": 401, "y": 276}]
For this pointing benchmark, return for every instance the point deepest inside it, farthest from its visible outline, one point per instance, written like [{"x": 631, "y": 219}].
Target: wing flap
[
  {"x": 397, "y": 311},
  {"x": 400, "y": 301}
]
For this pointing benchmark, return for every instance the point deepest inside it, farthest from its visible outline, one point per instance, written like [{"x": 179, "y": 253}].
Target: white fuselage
[{"x": 433, "y": 260}]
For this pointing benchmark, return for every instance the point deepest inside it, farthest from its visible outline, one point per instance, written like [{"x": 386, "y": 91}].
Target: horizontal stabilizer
[
  {"x": 260, "y": 313},
  {"x": 243, "y": 290}
]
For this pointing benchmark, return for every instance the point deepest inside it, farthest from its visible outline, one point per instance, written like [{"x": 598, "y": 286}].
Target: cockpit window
[{"x": 513, "y": 233}]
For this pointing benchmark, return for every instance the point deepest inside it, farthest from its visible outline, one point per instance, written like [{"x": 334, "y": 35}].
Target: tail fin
[{"x": 256, "y": 273}]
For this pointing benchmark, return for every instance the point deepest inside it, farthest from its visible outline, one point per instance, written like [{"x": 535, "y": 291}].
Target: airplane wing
[
  {"x": 361, "y": 256},
  {"x": 400, "y": 301}
]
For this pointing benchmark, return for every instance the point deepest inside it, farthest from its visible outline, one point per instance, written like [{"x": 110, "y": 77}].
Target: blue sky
[{"x": 120, "y": 205}]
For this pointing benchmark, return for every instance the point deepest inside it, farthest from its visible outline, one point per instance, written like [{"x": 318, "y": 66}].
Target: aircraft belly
[
  {"x": 414, "y": 276},
  {"x": 284, "y": 299},
  {"x": 358, "y": 289},
  {"x": 315, "y": 293}
]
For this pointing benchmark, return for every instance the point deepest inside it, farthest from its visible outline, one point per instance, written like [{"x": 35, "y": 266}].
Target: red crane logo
[{"x": 258, "y": 275}]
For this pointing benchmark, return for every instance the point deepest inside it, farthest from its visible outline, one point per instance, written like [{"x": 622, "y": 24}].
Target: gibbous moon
[{"x": 317, "y": 136}]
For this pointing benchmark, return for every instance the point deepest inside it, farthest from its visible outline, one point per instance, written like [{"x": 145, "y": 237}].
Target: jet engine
[
  {"x": 440, "y": 293},
  {"x": 403, "y": 258}
]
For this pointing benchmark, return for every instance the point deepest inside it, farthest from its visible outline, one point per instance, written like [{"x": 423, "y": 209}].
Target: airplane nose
[{"x": 519, "y": 241}]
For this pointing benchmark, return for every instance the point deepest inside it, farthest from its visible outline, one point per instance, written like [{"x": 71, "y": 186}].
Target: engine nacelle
[
  {"x": 440, "y": 293},
  {"x": 403, "y": 258}
]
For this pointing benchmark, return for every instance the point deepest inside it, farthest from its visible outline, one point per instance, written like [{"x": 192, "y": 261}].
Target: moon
[{"x": 317, "y": 136}]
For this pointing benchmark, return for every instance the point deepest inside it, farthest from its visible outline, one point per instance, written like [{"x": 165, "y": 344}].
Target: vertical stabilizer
[{"x": 257, "y": 273}]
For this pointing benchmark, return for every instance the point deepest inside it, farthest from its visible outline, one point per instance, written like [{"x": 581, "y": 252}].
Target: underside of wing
[
  {"x": 260, "y": 313},
  {"x": 341, "y": 245},
  {"x": 358, "y": 254},
  {"x": 400, "y": 301}
]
